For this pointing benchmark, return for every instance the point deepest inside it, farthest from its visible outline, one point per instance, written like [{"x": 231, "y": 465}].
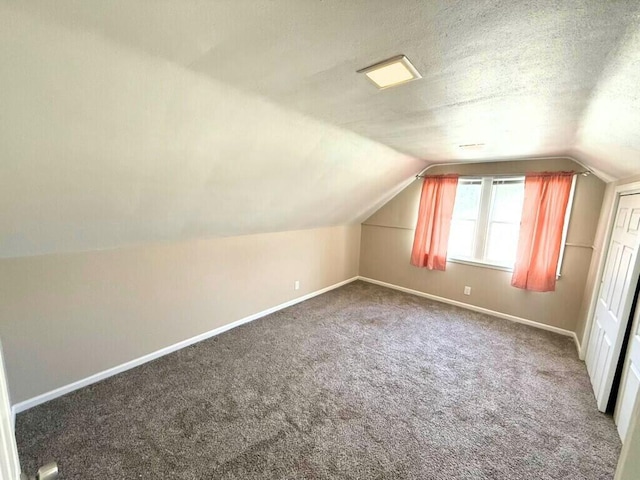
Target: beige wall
[
  {"x": 65, "y": 317},
  {"x": 387, "y": 238},
  {"x": 600, "y": 238},
  {"x": 590, "y": 284}
]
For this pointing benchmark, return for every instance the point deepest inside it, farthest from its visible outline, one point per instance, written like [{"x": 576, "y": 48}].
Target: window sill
[
  {"x": 493, "y": 266},
  {"x": 475, "y": 263}
]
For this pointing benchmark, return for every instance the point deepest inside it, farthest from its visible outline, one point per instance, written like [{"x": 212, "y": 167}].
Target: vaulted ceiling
[{"x": 132, "y": 121}]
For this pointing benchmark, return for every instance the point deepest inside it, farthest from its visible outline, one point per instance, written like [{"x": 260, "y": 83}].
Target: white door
[
  {"x": 614, "y": 302},
  {"x": 9, "y": 464},
  {"x": 630, "y": 382}
]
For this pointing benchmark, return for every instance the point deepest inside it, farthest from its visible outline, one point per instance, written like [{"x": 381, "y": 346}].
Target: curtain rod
[{"x": 584, "y": 173}]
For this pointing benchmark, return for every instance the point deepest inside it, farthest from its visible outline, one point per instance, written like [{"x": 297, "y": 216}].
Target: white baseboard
[
  {"x": 58, "y": 392},
  {"x": 468, "y": 306}
]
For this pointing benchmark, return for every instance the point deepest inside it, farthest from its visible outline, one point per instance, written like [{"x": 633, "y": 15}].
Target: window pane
[
  {"x": 461, "y": 238},
  {"x": 467, "y": 201},
  {"x": 506, "y": 202},
  {"x": 502, "y": 243}
]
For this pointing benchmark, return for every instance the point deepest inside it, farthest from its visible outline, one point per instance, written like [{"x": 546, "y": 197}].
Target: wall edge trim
[
  {"x": 578, "y": 346},
  {"x": 505, "y": 316},
  {"x": 96, "y": 377}
]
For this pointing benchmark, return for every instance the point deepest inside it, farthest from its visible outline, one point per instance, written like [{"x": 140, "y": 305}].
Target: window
[{"x": 486, "y": 220}]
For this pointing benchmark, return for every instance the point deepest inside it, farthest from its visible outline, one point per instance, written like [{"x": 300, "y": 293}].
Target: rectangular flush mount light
[{"x": 391, "y": 72}]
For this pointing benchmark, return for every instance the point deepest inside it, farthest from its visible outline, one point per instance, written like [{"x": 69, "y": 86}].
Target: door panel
[
  {"x": 614, "y": 299},
  {"x": 622, "y": 276},
  {"x": 630, "y": 382},
  {"x": 604, "y": 353},
  {"x": 634, "y": 222},
  {"x": 606, "y": 291},
  {"x": 629, "y": 389}
]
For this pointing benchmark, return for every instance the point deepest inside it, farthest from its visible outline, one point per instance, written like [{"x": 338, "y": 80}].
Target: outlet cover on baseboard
[
  {"x": 467, "y": 290},
  {"x": 296, "y": 285}
]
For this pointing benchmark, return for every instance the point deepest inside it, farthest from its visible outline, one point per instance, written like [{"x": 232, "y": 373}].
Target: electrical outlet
[
  {"x": 467, "y": 290},
  {"x": 296, "y": 285}
]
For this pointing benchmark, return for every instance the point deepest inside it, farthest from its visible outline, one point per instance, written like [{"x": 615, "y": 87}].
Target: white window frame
[
  {"x": 482, "y": 224},
  {"x": 565, "y": 228}
]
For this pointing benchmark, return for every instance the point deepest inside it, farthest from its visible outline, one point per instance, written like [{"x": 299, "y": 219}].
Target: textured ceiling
[
  {"x": 130, "y": 121},
  {"x": 523, "y": 77}
]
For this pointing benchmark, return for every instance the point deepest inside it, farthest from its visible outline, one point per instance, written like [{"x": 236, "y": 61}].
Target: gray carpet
[{"x": 360, "y": 383}]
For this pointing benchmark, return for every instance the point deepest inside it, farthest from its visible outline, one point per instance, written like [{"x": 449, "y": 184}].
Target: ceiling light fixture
[{"x": 391, "y": 72}]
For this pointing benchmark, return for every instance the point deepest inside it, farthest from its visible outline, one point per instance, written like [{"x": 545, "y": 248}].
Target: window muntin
[{"x": 486, "y": 220}]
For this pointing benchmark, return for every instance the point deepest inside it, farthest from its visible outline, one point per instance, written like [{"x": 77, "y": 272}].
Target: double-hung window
[{"x": 486, "y": 220}]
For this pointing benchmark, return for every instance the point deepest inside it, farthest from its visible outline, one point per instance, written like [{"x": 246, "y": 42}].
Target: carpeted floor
[{"x": 360, "y": 383}]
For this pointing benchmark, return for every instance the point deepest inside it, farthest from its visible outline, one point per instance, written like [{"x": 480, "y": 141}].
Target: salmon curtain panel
[
  {"x": 545, "y": 203},
  {"x": 434, "y": 222}
]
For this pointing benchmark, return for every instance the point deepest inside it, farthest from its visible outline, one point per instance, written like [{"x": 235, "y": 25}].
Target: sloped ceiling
[
  {"x": 609, "y": 137},
  {"x": 132, "y": 121},
  {"x": 104, "y": 146}
]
